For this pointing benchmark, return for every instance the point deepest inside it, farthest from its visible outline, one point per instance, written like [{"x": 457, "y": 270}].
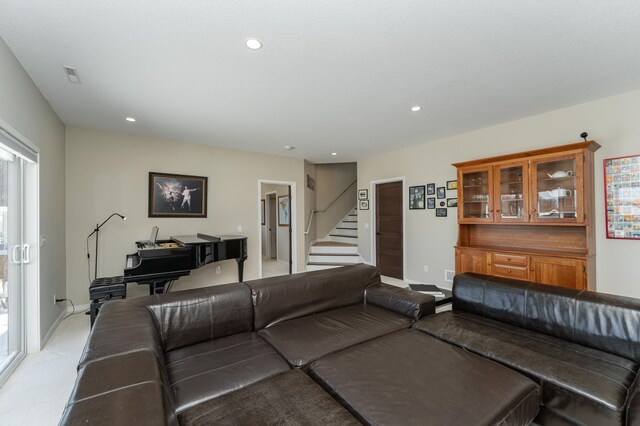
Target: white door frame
[
  {"x": 293, "y": 223},
  {"x": 267, "y": 220},
  {"x": 372, "y": 220}
]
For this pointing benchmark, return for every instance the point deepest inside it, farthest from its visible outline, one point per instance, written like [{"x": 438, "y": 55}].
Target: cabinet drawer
[
  {"x": 509, "y": 259},
  {"x": 509, "y": 271}
]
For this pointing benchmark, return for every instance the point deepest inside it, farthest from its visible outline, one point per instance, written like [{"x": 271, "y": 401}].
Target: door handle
[
  {"x": 26, "y": 250},
  {"x": 14, "y": 254}
]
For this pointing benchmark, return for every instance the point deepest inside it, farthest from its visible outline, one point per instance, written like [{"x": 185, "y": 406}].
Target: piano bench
[{"x": 104, "y": 289}]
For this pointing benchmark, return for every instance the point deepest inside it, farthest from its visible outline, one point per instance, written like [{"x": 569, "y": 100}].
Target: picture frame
[
  {"x": 364, "y": 204},
  {"x": 441, "y": 192},
  {"x": 441, "y": 212},
  {"x": 452, "y": 185},
  {"x": 431, "y": 203},
  {"x": 262, "y": 211},
  {"x": 431, "y": 189},
  {"x": 363, "y": 194},
  {"x": 622, "y": 197},
  {"x": 311, "y": 183},
  {"x": 416, "y": 197},
  {"x": 284, "y": 210},
  {"x": 175, "y": 195},
  {"x": 452, "y": 202}
]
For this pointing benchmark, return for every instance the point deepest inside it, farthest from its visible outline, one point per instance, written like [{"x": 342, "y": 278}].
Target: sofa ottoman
[
  {"x": 410, "y": 378},
  {"x": 289, "y": 398}
]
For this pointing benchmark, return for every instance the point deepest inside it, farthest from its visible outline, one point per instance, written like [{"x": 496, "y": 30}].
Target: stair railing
[{"x": 335, "y": 200}]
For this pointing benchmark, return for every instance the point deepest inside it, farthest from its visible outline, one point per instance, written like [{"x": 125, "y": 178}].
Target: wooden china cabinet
[{"x": 529, "y": 216}]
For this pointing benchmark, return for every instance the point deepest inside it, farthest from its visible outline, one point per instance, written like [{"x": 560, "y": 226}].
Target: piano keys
[{"x": 160, "y": 262}]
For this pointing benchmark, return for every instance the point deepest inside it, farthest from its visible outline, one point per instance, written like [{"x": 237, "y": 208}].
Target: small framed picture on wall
[
  {"x": 283, "y": 210},
  {"x": 431, "y": 203},
  {"x": 441, "y": 212},
  {"x": 452, "y": 185},
  {"x": 452, "y": 202},
  {"x": 364, "y": 204},
  {"x": 416, "y": 197},
  {"x": 441, "y": 192},
  {"x": 431, "y": 189},
  {"x": 363, "y": 194}
]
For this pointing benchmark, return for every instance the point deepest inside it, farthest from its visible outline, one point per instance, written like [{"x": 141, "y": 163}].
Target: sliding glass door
[{"x": 13, "y": 255}]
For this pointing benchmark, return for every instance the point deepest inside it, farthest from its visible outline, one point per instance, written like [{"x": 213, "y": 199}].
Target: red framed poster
[{"x": 622, "y": 197}]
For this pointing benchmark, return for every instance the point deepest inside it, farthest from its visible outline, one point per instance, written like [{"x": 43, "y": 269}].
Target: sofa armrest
[
  {"x": 129, "y": 388},
  {"x": 403, "y": 301}
]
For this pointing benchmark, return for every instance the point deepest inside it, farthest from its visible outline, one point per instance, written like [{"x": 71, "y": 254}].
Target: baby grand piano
[{"x": 160, "y": 262}]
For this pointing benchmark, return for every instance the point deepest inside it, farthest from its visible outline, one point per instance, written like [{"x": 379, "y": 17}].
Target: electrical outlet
[
  {"x": 426, "y": 268},
  {"x": 366, "y": 225},
  {"x": 218, "y": 269},
  {"x": 448, "y": 275},
  {"x": 239, "y": 228}
]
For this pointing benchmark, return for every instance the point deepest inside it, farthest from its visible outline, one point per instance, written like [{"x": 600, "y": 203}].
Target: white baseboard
[
  {"x": 53, "y": 328},
  {"x": 79, "y": 308}
]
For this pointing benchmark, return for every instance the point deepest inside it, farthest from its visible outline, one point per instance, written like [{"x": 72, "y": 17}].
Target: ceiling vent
[{"x": 72, "y": 75}]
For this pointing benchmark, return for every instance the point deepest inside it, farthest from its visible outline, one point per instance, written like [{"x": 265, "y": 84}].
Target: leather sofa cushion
[
  {"x": 305, "y": 339},
  {"x": 410, "y": 378},
  {"x": 192, "y": 316},
  {"x": 213, "y": 368},
  {"x": 289, "y": 398},
  {"x": 120, "y": 381},
  {"x": 580, "y": 383},
  {"x": 600, "y": 321},
  {"x": 403, "y": 301},
  {"x": 286, "y": 297}
]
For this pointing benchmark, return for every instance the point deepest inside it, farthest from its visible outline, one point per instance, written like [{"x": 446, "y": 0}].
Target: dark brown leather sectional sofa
[{"x": 339, "y": 347}]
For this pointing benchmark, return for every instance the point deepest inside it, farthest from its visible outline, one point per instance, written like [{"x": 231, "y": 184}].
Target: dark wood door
[{"x": 389, "y": 238}]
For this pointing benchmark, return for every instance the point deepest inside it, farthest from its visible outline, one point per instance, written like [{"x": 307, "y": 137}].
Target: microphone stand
[{"x": 97, "y": 232}]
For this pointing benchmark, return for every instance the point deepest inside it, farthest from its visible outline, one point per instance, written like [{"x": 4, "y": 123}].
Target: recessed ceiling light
[
  {"x": 130, "y": 119},
  {"x": 334, "y": 153},
  {"x": 253, "y": 44},
  {"x": 289, "y": 147},
  {"x": 416, "y": 108}
]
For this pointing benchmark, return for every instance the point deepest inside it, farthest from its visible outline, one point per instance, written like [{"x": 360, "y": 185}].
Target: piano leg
[
  {"x": 240, "y": 269},
  {"x": 156, "y": 287}
]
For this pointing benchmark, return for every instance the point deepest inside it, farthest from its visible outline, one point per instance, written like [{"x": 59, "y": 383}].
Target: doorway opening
[
  {"x": 388, "y": 227},
  {"x": 277, "y": 228}
]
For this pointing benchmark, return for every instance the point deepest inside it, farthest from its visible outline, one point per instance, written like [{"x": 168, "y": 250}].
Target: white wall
[
  {"x": 613, "y": 122},
  {"x": 108, "y": 172},
  {"x": 309, "y": 205},
  {"x": 23, "y": 107},
  {"x": 331, "y": 180}
]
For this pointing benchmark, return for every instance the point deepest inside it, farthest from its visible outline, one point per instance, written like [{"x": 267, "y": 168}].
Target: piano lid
[
  {"x": 195, "y": 239},
  {"x": 203, "y": 238}
]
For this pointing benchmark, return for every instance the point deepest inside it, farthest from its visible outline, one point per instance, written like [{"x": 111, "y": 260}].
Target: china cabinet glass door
[
  {"x": 557, "y": 189},
  {"x": 477, "y": 203},
  {"x": 511, "y": 192}
]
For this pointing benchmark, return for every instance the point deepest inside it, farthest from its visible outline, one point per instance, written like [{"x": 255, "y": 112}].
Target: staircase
[{"x": 339, "y": 248}]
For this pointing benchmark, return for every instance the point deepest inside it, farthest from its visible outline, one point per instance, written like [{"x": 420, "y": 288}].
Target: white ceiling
[{"x": 332, "y": 75}]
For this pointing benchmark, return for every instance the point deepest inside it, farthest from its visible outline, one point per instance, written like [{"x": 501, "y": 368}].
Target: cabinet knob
[
  {"x": 508, "y": 259},
  {"x": 491, "y": 211},
  {"x": 509, "y": 270},
  {"x": 533, "y": 210},
  {"x": 498, "y": 211}
]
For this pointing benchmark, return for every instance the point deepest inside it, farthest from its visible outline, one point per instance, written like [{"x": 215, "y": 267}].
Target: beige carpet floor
[{"x": 37, "y": 391}]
